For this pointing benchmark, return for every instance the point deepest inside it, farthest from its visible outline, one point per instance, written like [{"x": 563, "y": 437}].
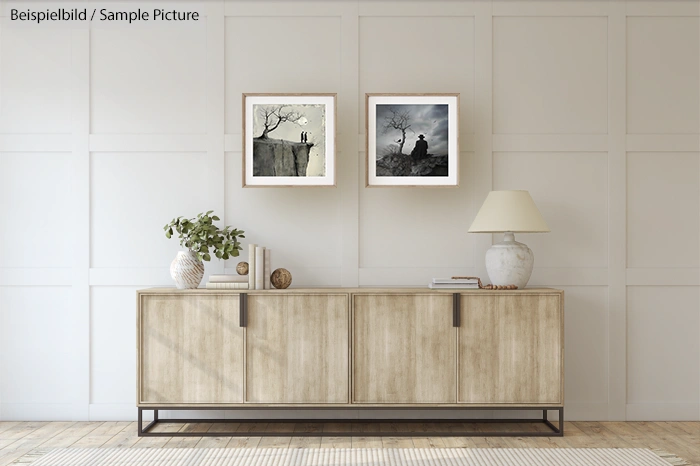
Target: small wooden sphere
[
  {"x": 242, "y": 268},
  {"x": 281, "y": 279}
]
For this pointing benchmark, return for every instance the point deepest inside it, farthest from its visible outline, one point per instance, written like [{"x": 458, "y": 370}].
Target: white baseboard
[
  {"x": 663, "y": 412},
  {"x": 585, "y": 411},
  {"x": 116, "y": 412},
  {"x": 42, "y": 412}
]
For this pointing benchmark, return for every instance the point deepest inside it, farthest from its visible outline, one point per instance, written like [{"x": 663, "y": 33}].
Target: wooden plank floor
[{"x": 19, "y": 438}]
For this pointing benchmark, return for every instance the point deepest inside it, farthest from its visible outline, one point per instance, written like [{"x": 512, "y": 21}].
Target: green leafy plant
[{"x": 200, "y": 234}]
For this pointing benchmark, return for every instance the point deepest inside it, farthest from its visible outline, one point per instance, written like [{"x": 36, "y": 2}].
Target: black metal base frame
[{"x": 555, "y": 431}]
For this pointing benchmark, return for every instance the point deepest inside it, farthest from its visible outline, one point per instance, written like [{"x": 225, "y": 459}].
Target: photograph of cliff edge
[{"x": 288, "y": 140}]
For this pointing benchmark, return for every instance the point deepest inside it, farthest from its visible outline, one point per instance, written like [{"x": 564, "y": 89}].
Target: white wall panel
[
  {"x": 300, "y": 226},
  {"x": 35, "y": 197},
  {"x": 570, "y": 189},
  {"x": 112, "y": 344},
  {"x": 418, "y": 227},
  {"x": 586, "y": 344},
  {"x": 663, "y": 71},
  {"x": 396, "y": 55},
  {"x": 133, "y": 195},
  {"x": 663, "y": 201},
  {"x": 663, "y": 348},
  {"x": 35, "y": 81},
  {"x": 550, "y": 75},
  {"x": 279, "y": 54},
  {"x": 148, "y": 80},
  {"x": 37, "y": 355}
]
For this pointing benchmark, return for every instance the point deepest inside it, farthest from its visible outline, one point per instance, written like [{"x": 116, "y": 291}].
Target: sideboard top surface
[{"x": 365, "y": 290}]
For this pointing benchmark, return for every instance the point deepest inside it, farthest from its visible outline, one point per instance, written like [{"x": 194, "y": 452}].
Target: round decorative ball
[
  {"x": 281, "y": 279},
  {"x": 242, "y": 268}
]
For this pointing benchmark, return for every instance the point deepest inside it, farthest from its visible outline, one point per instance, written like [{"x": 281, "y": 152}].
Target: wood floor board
[
  {"x": 459, "y": 442},
  {"x": 224, "y": 427},
  {"x": 366, "y": 442},
  {"x": 336, "y": 442},
  {"x": 428, "y": 442},
  {"x": 213, "y": 442},
  {"x": 124, "y": 439},
  {"x": 72, "y": 434},
  {"x": 244, "y": 442},
  {"x": 20, "y": 429},
  {"x": 397, "y": 442},
  {"x": 6, "y": 425},
  {"x": 183, "y": 442},
  {"x": 101, "y": 435},
  {"x": 305, "y": 442},
  {"x": 274, "y": 442}
]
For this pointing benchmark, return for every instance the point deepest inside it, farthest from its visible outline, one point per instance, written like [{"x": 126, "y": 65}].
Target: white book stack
[
  {"x": 259, "y": 268},
  {"x": 227, "y": 282},
  {"x": 454, "y": 284}
]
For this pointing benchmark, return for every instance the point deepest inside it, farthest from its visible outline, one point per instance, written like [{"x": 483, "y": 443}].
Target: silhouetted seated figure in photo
[{"x": 420, "y": 151}]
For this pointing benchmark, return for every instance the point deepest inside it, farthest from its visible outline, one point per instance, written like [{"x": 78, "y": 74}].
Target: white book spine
[
  {"x": 251, "y": 266},
  {"x": 268, "y": 269},
  {"x": 259, "y": 268}
]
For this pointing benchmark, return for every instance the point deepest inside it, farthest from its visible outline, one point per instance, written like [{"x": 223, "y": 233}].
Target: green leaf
[
  {"x": 206, "y": 257},
  {"x": 215, "y": 218}
]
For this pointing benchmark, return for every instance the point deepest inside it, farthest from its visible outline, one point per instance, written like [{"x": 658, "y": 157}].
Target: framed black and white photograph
[
  {"x": 289, "y": 139},
  {"x": 412, "y": 139}
]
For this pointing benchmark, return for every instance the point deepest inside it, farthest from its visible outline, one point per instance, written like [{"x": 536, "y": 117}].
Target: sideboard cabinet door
[
  {"x": 403, "y": 349},
  {"x": 511, "y": 349},
  {"x": 190, "y": 349},
  {"x": 297, "y": 348}
]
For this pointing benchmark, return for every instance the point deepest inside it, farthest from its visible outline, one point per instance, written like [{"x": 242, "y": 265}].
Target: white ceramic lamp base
[{"x": 509, "y": 262}]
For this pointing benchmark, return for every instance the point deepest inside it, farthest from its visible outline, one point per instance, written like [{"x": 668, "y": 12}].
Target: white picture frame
[{"x": 394, "y": 157}]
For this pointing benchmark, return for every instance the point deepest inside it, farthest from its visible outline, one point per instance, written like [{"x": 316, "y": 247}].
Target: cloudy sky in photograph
[{"x": 429, "y": 120}]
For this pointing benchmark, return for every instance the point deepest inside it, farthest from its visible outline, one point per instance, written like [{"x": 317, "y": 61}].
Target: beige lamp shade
[{"x": 513, "y": 211}]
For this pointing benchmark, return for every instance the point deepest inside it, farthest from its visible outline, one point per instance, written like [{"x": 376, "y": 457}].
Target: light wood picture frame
[
  {"x": 289, "y": 140},
  {"x": 412, "y": 140}
]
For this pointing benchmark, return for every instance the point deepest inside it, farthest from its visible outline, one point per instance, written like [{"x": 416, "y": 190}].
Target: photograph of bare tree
[
  {"x": 412, "y": 140},
  {"x": 287, "y": 140},
  {"x": 421, "y": 130}
]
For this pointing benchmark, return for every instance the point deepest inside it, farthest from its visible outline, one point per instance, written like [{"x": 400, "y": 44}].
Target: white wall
[{"x": 105, "y": 135}]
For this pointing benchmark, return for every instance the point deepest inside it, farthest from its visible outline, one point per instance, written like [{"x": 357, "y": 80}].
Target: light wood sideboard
[{"x": 359, "y": 348}]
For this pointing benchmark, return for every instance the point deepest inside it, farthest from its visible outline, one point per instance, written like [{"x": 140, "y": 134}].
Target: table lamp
[{"x": 509, "y": 212}]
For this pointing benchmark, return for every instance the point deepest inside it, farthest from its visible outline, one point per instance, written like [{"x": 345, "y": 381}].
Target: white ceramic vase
[
  {"x": 187, "y": 270},
  {"x": 509, "y": 262}
]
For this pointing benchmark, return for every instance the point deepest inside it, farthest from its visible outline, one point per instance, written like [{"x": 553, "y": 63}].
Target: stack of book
[
  {"x": 454, "y": 283},
  {"x": 228, "y": 282},
  {"x": 259, "y": 268}
]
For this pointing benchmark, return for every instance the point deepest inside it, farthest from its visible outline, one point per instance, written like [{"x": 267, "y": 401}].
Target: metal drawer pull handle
[
  {"x": 455, "y": 309},
  {"x": 243, "y": 309}
]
